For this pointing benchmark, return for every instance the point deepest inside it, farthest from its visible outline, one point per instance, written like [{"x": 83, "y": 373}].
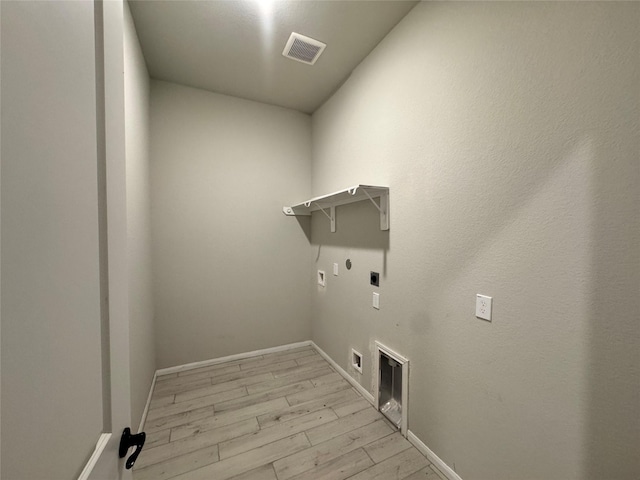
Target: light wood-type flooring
[{"x": 281, "y": 416}]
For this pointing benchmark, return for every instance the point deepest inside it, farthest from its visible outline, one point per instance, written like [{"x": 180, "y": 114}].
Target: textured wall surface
[
  {"x": 231, "y": 271},
  {"x": 141, "y": 325},
  {"x": 508, "y": 134}
]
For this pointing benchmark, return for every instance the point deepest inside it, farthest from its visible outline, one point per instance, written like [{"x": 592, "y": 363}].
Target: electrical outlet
[
  {"x": 374, "y": 279},
  {"x": 321, "y": 278},
  {"x": 376, "y": 300},
  {"x": 335, "y": 269},
  {"x": 483, "y": 307}
]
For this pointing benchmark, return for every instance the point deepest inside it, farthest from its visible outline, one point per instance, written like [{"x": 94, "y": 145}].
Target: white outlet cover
[
  {"x": 335, "y": 269},
  {"x": 376, "y": 300},
  {"x": 321, "y": 278},
  {"x": 483, "y": 307}
]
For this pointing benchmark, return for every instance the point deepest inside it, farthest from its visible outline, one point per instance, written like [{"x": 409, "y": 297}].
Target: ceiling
[{"x": 234, "y": 47}]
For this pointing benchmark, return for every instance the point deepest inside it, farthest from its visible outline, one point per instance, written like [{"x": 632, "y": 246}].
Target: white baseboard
[
  {"x": 347, "y": 377},
  {"x": 229, "y": 358},
  {"x": 103, "y": 440},
  {"x": 143, "y": 419},
  {"x": 432, "y": 457}
]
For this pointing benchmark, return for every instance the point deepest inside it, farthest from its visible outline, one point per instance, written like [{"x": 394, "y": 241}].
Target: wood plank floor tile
[
  {"x": 255, "y": 370},
  {"x": 309, "y": 458},
  {"x": 196, "y": 403},
  {"x": 289, "y": 413},
  {"x": 233, "y": 466},
  {"x": 352, "y": 406},
  {"x": 178, "y": 385},
  {"x": 223, "y": 387},
  {"x": 288, "y": 380},
  {"x": 295, "y": 369},
  {"x": 387, "y": 447},
  {"x": 427, "y": 473},
  {"x": 261, "y": 473},
  {"x": 175, "y": 466},
  {"x": 310, "y": 359},
  {"x": 340, "y": 468},
  {"x": 157, "y": 454},
  {"x": 263, "y": 396},
  {"x": 301, "y": 397},
  {"x": 398, "y": 467},
  {"x": 161, "y": 401},
  {"x": 342, "y": 425},
  {"x": 172, "y": 421},
  {"x": 268, "y": 435},
  {"x": 330, "y": 377},
  {"x": 218, "y": 420},
  {"x": 159, "y": 437}
]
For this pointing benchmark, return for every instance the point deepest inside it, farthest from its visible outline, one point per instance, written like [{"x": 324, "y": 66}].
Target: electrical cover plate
[{"x": 483, "y": 307}]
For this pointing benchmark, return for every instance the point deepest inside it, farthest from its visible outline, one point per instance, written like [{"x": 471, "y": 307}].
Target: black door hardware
[{"x": 127, "y": 441}]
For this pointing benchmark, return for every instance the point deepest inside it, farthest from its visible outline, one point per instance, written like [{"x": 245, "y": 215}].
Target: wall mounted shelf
[{"x": 327, "y": 203}]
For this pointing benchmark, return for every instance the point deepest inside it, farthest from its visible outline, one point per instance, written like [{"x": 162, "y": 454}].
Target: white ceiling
[{"x": 235, "y": 47}]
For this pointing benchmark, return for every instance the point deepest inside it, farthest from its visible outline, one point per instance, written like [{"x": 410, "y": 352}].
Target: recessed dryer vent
[{"x": 392, "y": 386}]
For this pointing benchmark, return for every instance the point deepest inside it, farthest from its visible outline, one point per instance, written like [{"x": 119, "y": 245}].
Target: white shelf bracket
[
  {"x": 331, "y": 216},
  {"x": 383, "y": 208},
  {"x": 328, "y": 203}
]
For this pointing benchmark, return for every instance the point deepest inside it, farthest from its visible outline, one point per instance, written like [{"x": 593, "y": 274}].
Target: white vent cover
[{"x": 303, "y": 49}]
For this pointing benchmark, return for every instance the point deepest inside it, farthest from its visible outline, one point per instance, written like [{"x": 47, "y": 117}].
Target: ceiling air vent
[{"x": 303, "y": 49}]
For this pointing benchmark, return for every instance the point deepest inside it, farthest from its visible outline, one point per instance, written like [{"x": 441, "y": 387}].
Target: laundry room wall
[
  {"x": 231, "y": 270},
  {"x": 508, "y": 135}
]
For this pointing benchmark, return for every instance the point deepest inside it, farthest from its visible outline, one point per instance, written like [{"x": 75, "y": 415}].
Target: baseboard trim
[
  {"x": 103, "y": 440},
  {"x": 229, "y": 358},
  {"x": 432, "y": 457},
  {"x": 361, "y": 390},
  {"x": 143, "y": 419}
]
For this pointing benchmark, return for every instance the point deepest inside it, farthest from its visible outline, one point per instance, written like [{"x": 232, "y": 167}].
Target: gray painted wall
[
  {"x": 508, "y": 134},
  {"x": 51, "y": 361},
  {"x": 231, "y": 272},
  {"x": 141, "y": 326}
]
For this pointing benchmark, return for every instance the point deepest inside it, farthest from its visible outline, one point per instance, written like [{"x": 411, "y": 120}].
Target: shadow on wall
[
  {"x": 613, "y": 363},
  {"x": 305, "y": 224},
  {"x": 357, "y": 228}
]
